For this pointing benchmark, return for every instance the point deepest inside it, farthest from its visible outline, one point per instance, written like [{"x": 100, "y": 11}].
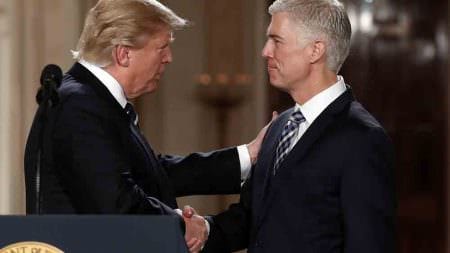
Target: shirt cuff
[
  {"x": 179, "y": 212},
  {"x": 244, "y": 159},
  {"x": 207, "y": 226}
]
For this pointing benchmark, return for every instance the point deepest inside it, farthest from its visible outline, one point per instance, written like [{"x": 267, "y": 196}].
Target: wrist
[{"x": 252, "y": 153}]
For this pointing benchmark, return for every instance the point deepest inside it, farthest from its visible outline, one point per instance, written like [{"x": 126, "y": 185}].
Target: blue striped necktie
[{"x": 288, "y": 135}]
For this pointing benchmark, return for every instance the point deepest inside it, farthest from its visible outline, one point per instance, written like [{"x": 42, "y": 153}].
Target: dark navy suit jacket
[
  {"x": 92, "y": 163},
  {"x": 333, "y": 193}
]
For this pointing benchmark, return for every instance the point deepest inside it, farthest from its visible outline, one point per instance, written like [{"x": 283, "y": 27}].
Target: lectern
[{"x": 90, "y": 234}]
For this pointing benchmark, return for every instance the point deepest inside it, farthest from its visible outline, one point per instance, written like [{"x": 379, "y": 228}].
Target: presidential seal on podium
[{"x": 30, "y": 247}]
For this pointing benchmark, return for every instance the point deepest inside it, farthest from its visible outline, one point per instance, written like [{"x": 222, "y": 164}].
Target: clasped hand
[{"x": 196, "y": 230}]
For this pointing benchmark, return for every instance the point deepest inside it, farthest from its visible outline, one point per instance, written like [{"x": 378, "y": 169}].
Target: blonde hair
[
  {"x": 122, "y": 22},
  {"x": 325, "y": 19}
]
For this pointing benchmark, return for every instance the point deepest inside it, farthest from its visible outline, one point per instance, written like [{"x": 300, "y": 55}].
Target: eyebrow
[
  {"x": 166, "y": 44},
  {"x": 170, "y": 41},
  {"x": 274, "y": 36}
]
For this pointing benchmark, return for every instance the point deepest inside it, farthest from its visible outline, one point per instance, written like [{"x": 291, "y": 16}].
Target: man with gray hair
[
  {"x": 96, "y": 160},
  {"x": 323, "y": 181}
]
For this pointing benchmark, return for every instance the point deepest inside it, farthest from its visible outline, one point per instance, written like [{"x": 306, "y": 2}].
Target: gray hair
[
  {"x": 122, "y": 22},
  {"x": 320, "y": 19}
]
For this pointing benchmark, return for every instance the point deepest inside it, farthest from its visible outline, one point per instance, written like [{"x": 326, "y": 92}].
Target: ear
[
  {"x": 318, "y": 51},
  {"x": 121, "y": 55}
]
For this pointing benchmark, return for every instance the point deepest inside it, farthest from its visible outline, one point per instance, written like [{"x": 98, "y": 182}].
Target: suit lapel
[
  {"x": 145, "y": 146},
  {"x": 267, "y": 155},
  {"x": 165, "y": 192},
  {"x": 309, "y": 138}
]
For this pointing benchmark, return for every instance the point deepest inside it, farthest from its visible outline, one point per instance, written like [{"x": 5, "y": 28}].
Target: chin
[
  {"x": 275, "y": 82},
  {"x": 279, "y": 85},
  {"x": 152, "y": 88}
]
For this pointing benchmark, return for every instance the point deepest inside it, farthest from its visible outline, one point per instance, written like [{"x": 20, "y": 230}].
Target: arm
[
  {"x": 367, "y": 196},
  {"x": 230, "y": 230},
  {"x": 226, "y": 232},
  {"x": 217, "y": 172},
  {"x": 92, "y": 163}
]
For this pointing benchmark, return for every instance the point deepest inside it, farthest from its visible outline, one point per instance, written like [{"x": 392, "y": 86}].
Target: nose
[
  {"x": 167, "y": 56},
  {"x": 267, "y": 50}
]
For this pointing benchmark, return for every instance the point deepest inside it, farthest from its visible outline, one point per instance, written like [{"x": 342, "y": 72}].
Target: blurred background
[{"x": 216, "y": 94}]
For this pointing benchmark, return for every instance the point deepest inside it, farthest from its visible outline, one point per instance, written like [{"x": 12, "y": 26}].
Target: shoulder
[
  {"x": 361, "y": 128},
  {"x": 81, "y": 100},
  {"x": 358, "y": 115},
  {"x": 72, "y": 87},
  {"x": 75, "y": 92},
  {"x": 357, "y": 119}
]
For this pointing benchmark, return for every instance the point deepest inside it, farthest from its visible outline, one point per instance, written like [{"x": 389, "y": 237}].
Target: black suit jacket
[
  {"x": 92, "y": 163},
  {"x": 334, "y": 192}
]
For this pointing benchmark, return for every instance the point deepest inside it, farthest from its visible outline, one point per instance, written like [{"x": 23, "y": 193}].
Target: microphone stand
[{"x": 47, "y": 98}]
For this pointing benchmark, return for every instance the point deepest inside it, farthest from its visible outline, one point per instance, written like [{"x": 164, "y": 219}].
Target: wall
[
  {"x": 32, "y": 34},
  {"x": 174, "y": 118}
]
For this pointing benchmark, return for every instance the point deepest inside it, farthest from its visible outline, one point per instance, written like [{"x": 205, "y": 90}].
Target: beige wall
[
  {"x": 10, "y": 132},
  {"x": 174, "y": 119},
  {"x": 33, "y": 33}
]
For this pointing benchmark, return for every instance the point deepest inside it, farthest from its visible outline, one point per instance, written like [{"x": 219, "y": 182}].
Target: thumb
[
  {"x": 274, "y": 115},
  {"x": 188, "y": 211}
]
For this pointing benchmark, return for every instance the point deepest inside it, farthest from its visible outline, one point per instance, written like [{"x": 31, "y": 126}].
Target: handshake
[{"x": 197, "y": 229}]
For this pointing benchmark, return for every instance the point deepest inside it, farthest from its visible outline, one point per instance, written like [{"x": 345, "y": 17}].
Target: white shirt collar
[
  {"x": 108, "y": 80},
  {"x": 315, "y": 106}
]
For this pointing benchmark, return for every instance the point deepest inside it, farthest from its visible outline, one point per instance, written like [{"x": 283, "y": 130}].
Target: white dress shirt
[{"x": 317, "y": 104}]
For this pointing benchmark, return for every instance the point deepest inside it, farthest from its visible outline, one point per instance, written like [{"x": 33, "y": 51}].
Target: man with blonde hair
[
  {"x": 96, "y": 159},
  {"x": 323, "y": 182}
]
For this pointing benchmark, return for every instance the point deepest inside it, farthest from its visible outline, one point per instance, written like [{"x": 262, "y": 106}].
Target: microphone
[
  {"x": 50, "y": 73},
  {"x": 51, "y": 78}
]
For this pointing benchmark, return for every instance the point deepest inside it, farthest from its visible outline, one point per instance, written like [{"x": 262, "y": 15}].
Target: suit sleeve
[
  {"x": 216, "y": 172},
  {"x": 230, "y": 229},
  {"x": 92, "y": 164},
  {"x": 367, "y": 195}
]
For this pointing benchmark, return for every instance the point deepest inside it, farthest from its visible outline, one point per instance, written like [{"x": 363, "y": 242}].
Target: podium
[{"x": 91, "y": 233}]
